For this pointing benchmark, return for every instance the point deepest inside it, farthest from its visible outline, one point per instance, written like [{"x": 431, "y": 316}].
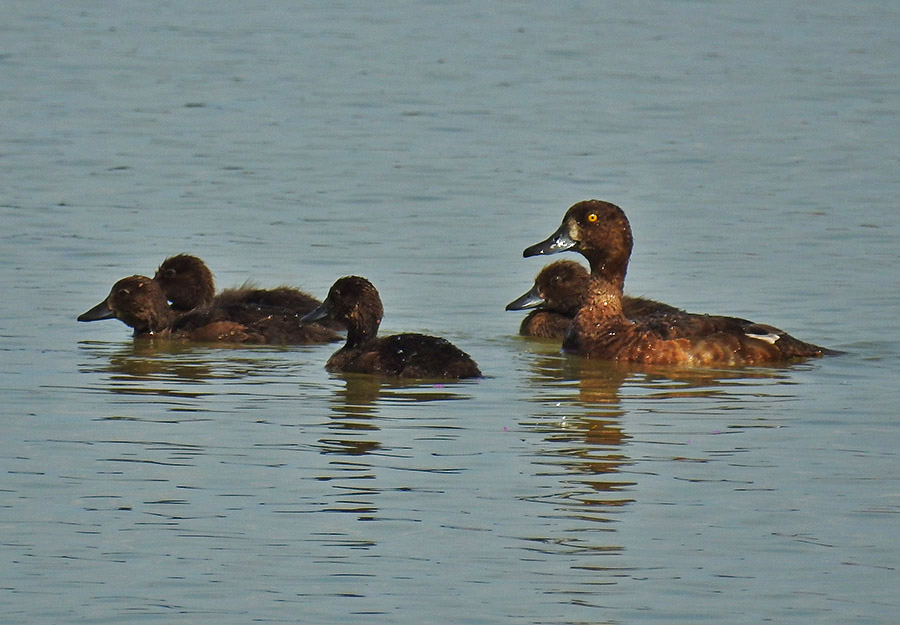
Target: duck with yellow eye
[{"x": 600, "y": 232}]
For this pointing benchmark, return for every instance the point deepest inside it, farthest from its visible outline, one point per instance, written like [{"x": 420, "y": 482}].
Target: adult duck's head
[{"x": 597, "y": 230}]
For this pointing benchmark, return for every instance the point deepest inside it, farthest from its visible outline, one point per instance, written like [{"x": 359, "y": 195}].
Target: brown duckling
[
  {"x": 355, "y": 302},
  {"x": 188, "y": 284},
  {"x": 140, "y": 303},
  {"x": 559, "y": 291},
  {"x": 186, "y": 281}
]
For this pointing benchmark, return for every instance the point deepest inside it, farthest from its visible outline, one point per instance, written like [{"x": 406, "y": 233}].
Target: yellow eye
[{"x": 592, "y": 217}]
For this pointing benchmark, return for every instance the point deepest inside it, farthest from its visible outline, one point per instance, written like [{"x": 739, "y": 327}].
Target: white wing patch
[{"x": 769, "y": 337}]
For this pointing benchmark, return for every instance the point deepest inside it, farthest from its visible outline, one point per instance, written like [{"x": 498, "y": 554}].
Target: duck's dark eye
[
  {"x": 124, "y": 292},
  {"x": 592, "y": 217}
]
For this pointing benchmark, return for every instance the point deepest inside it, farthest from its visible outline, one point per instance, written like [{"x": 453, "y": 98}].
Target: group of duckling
[
  {"x": 586, "y": 310},
  {"x": 179, "y": 302}
]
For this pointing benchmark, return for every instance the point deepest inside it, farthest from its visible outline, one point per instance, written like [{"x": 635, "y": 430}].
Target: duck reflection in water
[
  {"x": 583, "y": 429},
  {"x": 357, "y": 406},
  {"x": 353, "y": 417},
  {"x": 583, "y": 435},
  {"x": 145, "y": 361},
  {"x": 175, "y": 369},
  {"x": 354, "y": 440}
]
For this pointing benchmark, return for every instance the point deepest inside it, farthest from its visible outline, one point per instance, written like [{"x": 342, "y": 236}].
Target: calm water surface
[{"x": 424, "y": 145}]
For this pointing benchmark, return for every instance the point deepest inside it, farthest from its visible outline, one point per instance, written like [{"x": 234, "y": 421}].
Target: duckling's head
[
  {"x": 136, "y": 301},
  {"x": 354, "y": 301},
  {"x": 186, "y": 281}
]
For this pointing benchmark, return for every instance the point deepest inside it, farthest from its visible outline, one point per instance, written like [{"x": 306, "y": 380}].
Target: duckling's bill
[
  {"x": 98, "y": 313},
  {"x": 316, "y": 314},
  {"x": 531, "y": 299}
]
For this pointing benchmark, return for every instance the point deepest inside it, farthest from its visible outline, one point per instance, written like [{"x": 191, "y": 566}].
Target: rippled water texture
[{"x": 424, "y": 145}]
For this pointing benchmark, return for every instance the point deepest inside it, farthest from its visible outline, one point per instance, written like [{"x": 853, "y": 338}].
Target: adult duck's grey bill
[
  {"x": 97, "y": 313},
  {"x": 559, "y": 241},
  {"x": 316, "y": 314},
  {"x": 532, "y": 299}
]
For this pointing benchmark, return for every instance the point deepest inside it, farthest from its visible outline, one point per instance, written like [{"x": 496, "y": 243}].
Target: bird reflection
[
  {"x": 356, "y": 407},
  {"x": 354, "y": 443},
  {"x": 579, "y": 410},
  {"x": 164, "y": 368},
  {"x": 145, "y": 368},
  {"x": 587, "y": 441},
  {"x": 353, "y": 412},
  {"x": 143, "y": 360}
]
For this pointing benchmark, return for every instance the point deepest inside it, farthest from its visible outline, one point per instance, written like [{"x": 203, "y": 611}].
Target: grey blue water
[{"x": 424, "y": 145}]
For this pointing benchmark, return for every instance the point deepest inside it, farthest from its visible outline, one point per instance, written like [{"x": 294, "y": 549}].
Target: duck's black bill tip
[
  {"x": 533, "y": 250},
  {"x": 97, "y": 313},
  {"x": 559, "y": 241},
  {"x": 532, "y": 299},
  {"x": 316, "y": 314}
]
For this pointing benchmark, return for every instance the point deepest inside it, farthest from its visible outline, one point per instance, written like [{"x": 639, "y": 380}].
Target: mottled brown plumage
[
  {"x": 355, "y": 302},
  {"x": 601, "y": 233}
]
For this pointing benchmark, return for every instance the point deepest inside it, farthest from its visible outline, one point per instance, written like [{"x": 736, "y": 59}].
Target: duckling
[
  {"x": 188, "y": 284},
  {"x": 186, "y": 281},
  {"x": 559, "y": 291},
  {"x": 355, "y": 302},
  {"x": 139, "y": 302}
]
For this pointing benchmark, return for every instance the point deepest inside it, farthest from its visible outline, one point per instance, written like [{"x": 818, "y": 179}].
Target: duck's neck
[
  {"x": 601, "y": 313},
  {"x": 610, "y": 268},
  {"x": 157, "y": 321},
  {"x": 362, "y": 328},
  {"x": 604, "y": 298}
]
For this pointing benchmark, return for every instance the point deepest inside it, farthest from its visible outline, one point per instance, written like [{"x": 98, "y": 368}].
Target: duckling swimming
[
  {"x": 355, "y": 302},
  {"x": 139, "y": 302},
  {"x": 600, "y": 232},
  {"x": 188, "y": 284},
  {"x": 560, "y": 289}
]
